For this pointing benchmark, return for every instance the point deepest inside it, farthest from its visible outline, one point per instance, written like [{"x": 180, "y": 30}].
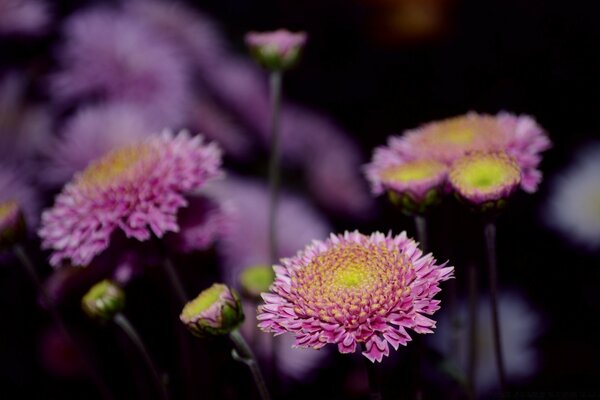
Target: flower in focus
[
  {"x": 103, "y": 300},
  {"x": 26, "y": 17},
  {"x": 520, "y": 137},
  {"x": 15, "y": 190},
  {"x": 485, "y": 177},
  {"x": 216, "y": 311},
  {"x": 115, "y": 57},
  {"x": 137, "y": 188},
  {"x": 201, "y": 224},
  {"x": 91, "y": 133},
  {"x": 354, "y": 289},
  {"x": 279, "y": 49},
  {"x": 574, "y": 203},
  {"x": 520, "y": 326}
]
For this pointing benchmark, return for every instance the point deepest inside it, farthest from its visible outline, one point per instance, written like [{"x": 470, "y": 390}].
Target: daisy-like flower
[
  {"x": 138, "y": 189},
  {"x": 279, "y": 49},
  {"x": 450, "y": 139},
  {"x": 354, "y": 289},
  {"x": 574, "y": 203},
  {"x": 485, "y": 177}
]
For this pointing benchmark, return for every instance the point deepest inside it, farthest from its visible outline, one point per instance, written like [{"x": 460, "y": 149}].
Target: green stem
[
  {"x": 473, "y": 305},
  {"x": 59, "y": 321},
  {"x": 175, "y": 282},
  {"x": 275, "y": 87},
  {"x": 122, "y": 322},
  {"x": 374, "y": 377},
  {"x": 421, "y": 226},
  {"x": 243, "y": 353},
  {"x": 490, "y": 242}
]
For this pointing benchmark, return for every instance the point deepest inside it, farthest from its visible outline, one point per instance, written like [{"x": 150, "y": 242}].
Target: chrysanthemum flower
[
  {"x": 447, "y": 140},
  {"x": 574, "y": 202},
  {"x": 485, "y": 177},
  {"x": 279, "y": 49},
  {"x": 137, "y": 189},
  {"x": 355, "y": 289}
]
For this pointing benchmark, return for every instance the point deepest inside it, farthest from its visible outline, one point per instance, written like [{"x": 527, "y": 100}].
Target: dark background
[{"x": 525, "y": 56}]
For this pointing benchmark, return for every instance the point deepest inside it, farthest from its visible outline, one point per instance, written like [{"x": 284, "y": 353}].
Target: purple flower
[
  {"x": 354, "y": 289},
  {"x": 137, "y": 189},
  {"x": 25, "y": 17},
  {"x": 113, "y": 56}
]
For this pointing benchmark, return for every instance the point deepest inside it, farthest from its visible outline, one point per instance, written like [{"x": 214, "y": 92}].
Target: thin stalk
[
  {"x": 421, "y": 226},
  {"x": 473, "y": 314},
  {"x": 122, "y": 322},
  {"x": 490, "y": 242},
  {"x": 275, "y": 87},
  {"x": 243, "y": 353},
  {"x": 374, "y": 377},
  {"x": 175, "y": 281},
  {"x": 24, "y": 259}
]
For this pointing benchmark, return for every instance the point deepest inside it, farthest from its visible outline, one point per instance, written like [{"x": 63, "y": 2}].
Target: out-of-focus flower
[
  {"x": 256, "y": 280},
  {"x": 520, "y": 326},
  {"x": 137, "y": 189},
  {"x": 482, "y": 178},
  {"x": 91, "y": 133},
  {"x": 12, "y": 224},
  {"x": 354, "y": 289},
  {"x": 114, "y": 56},
  {"x": 248, "y": 242},
  {"x": 14, "y": 188},
  {"x": 276, "y": 50},
  {"x": 103, "y": 300},
  {"x": 23, "y": 17},
  {"x": 216, "y": 311},
  {"x": 574, "y": 203},
  {"x": 24, "y": 128},
  {"x": 518, "y": 136},
  {"x": 201, "y": 224},
  {"x": 58, "y": 354}
]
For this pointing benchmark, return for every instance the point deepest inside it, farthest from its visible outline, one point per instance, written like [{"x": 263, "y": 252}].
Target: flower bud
[
  {"x": 12, "y": 224},
  {"x": 276, "y": 50},
  {"x": 103, "y": 300},
  {"x": 256, "y": 280},
  {"x": 216, "y": 311}
]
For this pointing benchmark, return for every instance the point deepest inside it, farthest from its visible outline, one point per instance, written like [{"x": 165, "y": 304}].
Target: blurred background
[{"x": 80, "y": 77}]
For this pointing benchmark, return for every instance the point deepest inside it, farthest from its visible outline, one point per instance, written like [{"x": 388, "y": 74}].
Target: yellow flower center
[
  {"x": 206, "y": 299},
  {"x": 593, "y": 205},
  {"x": 114, "y": 165},
  {"x": 413, "y": 171},
  {"x": 484, "y": 172}
]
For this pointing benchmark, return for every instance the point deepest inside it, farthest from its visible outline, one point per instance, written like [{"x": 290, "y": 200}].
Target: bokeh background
[{"x": 371, "y": 68}]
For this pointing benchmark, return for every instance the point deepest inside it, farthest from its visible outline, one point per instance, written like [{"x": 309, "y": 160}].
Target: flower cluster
[
  {"x": 405, "y": 165},
  {"x": 355, "y": 289},
  {"x": 137, "y": 188}
]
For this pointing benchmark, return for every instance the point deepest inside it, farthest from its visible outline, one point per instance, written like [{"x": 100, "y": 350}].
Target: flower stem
[
  {"x": 122, "y": 322},
  {"x": 421, "y": 226},
  {"x": 275, "y": 87},
  {"x": 243, "y": 353},
  {"x": 24, "y": 259},
  {"x": 472, "y": 355},
  {"x": 374, "y": 377},
  {"x": 490, "y": 242},
  {"x": 175, "y": 281}
]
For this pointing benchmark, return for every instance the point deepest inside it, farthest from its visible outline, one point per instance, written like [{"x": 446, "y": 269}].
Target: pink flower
[
  {"x": 354, "y": 289},
  {"x": 447, "y": 140},
  {"x": 29, "y": 17},
  {"x": 113, "y": 56},
  {"x": 279, "y": 49},
  {"x": 138, "y": 189},
  {"x": 485, "y": 177}
]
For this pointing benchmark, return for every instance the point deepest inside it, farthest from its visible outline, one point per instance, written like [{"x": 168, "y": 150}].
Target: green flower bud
[
  {"x": 256, "y": 280},
  {"x": 103, "y": 300}
]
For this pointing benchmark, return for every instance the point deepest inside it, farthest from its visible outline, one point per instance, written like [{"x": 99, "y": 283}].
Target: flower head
[
  {"x": 12, "y": 224},
  {"x": 574, "y": 203},
  {"x": 138, "y": 189},
  {"x": 256, "y": 280},
  {"x": 448, "y": 140},
  {"x": 354, "y": 289},
  {"x": 485, "y": 177},
  {"x": 279, "y": 49},
  {"x": 103, "y": 300},
  {"x": 216, "y": 311}
]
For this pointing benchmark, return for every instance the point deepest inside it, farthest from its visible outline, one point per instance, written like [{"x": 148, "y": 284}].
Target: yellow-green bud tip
[{"x": 103, "y": 300}]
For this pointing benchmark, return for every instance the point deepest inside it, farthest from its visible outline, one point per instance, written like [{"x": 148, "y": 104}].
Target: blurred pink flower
[
  {"x": 91, "y": 133},
  {"x": 248, "y": 242},
  {"x": 354, "y": 289},
  {"x": 24, "y": 17},
  {"x": 276, "y": 50},
  {"x": 137, "y": 189},
  {"x": 114, "y": 56}
]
